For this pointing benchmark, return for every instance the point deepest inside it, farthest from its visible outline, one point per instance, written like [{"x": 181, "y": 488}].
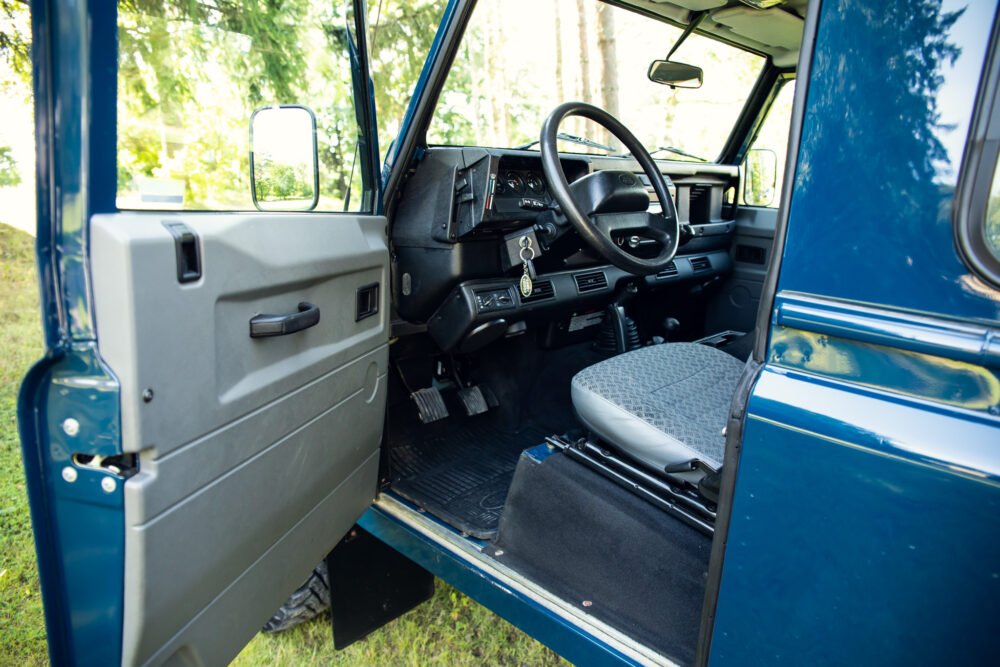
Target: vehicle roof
[{"x": 776, "y": 31}]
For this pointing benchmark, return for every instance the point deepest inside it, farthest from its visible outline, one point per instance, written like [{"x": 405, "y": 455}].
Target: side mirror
[
  {"x": 284, "y": 163},
  {"x": 675, "y": 75},
  {"x": 760, "y": 174}
]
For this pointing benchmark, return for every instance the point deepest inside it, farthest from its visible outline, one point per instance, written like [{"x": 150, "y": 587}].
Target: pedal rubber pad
[
  {"x": 430, "y": 404},
  {"x": 473, "y": 400}
]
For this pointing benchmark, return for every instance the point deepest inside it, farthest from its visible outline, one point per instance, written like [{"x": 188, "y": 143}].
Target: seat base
[{"x": 662, "y": 405}]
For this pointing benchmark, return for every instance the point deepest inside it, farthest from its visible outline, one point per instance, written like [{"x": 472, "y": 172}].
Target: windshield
[{"x": 519, "y": 59}]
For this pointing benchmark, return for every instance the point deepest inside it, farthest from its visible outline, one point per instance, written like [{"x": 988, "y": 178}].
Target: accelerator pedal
[
  {"x": 473, "y": 400},
  {"x": 430, "y": 404}
]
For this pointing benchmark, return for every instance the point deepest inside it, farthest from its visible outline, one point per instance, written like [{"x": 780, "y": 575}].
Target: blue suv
[{"x": 651, "y": 407}]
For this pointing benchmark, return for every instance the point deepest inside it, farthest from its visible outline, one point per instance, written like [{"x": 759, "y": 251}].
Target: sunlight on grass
[
  {"x": 22, "y": 628},
  {"x": 450, "y": 629}
]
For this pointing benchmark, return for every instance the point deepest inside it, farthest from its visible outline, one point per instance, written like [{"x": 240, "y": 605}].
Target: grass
[
  {"x": 22, "y": 628},
  {"x": 450, "y": 629}
]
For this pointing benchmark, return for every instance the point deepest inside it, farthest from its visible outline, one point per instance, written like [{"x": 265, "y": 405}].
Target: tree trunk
[
  {"x": 581, "y": 24},
  {"x": 584, "y": 83},
  {"x": 495, "y": 79},
  {"x": 560, "y": 83},
  {"x": 609, "y": 66}
]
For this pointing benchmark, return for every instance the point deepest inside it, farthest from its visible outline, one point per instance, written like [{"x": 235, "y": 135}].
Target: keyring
[{"x": 529, "y": 249}]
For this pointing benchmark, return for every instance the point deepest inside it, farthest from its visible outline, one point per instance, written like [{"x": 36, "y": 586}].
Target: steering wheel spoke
[
  {"x": 611, "y": 232},
  {"x": 621, "y": 223}
]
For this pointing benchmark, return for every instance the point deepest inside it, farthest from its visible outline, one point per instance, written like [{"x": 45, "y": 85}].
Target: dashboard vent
[
  {"x": 590, "y": 282},
  {"x": 539, "y": 292},
  {"x": 699, "y": 191},
  {"x": 668, "y": 272},
  {"x": 700, "y": 264}
]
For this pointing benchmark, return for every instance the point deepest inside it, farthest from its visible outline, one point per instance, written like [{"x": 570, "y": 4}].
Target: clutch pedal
[{"x": 430, "y": 404}]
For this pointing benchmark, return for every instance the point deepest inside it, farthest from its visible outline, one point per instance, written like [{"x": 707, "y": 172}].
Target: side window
[
  {"x": 991, "y": 223},
  {"x": 763, "y": 169},
  {"x": 190, "y": 77},
  {"x": 976, "y": 214}
]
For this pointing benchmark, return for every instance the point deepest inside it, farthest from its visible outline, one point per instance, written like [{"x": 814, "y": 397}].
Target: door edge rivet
[
  {"x": 71, "y": 427},
  {"x": 69, "y": 474},
  {"x": 109, "y": 485}
]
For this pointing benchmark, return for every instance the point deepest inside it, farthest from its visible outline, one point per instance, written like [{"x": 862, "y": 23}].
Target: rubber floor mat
[{"x": 460, "y": 470}]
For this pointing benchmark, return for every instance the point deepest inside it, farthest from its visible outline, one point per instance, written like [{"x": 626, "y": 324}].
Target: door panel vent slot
[
  {"x": 668, "y": 272},
  {"x": 700, "y": 264},
  {"x": 590, "y": 282},
  {"x": 540, "y": 291}
]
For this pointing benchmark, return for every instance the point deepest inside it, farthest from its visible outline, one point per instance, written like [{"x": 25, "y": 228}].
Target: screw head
[
  {"x": 71, "y": 427},
  {"x": 69, "y": 474},
  {"x": 147, "y": 395},
  {"x": 108, "y": 484}
]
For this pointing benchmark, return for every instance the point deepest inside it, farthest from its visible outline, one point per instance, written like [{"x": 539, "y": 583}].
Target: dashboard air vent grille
[
  {"x": 590, "y": 282},
  {"x": 668, "y": 272},
  {"x": 540, "y": 291},
  {"x": 700, "y": 264},
  {"x": 699, "y": 191}
]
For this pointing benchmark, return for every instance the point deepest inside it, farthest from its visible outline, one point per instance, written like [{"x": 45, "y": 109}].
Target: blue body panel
[
  {"x": 863, "y": 524},
  {"x": 882, "y": 141},
  {"x": 78, "y": 526},
  {"x": 855, "y": 547}
]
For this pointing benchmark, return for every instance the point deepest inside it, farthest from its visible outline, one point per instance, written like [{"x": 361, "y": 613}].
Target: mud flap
[{"x": 371, "y": 584}]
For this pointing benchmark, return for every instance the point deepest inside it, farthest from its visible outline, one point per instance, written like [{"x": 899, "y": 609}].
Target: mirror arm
[{"x": 692, "y": 24}]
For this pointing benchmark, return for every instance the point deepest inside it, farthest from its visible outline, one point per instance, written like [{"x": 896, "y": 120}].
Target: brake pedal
[
  {"x": 473, "y": 400},
  {"x": 430, "y": 404}
]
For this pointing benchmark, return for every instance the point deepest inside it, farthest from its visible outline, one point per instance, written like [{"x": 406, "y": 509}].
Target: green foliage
[
  {"x": 993, "y": 224},
  {"x": 22, "y": 628},
  {"x": 402, "y": 33},
  {"x": 15, "y": 37},
  {"x": 9, "y": 175},
  {"x": 282, "y": 182}
]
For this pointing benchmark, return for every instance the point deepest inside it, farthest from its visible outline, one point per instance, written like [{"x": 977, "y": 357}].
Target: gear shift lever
[
  {"x": 626, "y": 336},
  {"x": 670, "y": 327}
]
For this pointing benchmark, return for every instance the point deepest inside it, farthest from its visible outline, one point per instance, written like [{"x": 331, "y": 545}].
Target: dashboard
[{"x": 464, "y": 210}]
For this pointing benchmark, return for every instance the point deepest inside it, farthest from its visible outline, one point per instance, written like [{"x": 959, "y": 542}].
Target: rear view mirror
[
  {"x": 675, "y": 75},
  {"x": 760, "y": 174},
  {"x": 284, "y": 167}
]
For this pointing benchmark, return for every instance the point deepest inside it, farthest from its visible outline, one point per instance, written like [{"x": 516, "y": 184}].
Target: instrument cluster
[{"x": 518, "y": 183}]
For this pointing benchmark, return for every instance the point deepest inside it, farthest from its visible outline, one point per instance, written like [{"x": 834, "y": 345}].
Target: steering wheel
[{"x": 608, "y": 208}]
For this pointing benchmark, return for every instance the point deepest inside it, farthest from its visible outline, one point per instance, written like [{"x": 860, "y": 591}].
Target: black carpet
[{"x": 589, "y": 541}]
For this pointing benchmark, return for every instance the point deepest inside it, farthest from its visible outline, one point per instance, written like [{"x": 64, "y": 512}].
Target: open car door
[{"x": 206, "y": 423}]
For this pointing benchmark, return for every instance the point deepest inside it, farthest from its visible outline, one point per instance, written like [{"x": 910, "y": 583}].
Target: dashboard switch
[
  {"x": 532, "y": 204},
  {"x": 490, "y": 300}
]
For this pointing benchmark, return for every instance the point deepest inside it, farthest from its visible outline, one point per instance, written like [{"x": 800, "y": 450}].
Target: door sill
[{"x": 471, "y": 551}]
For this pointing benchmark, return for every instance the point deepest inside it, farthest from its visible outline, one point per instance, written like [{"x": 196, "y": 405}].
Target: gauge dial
[
  {"x": 535, "y": 184},
  {"x": 513, "y": 183}
]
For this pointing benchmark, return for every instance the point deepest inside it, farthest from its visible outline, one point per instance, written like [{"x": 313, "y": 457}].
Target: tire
[{"x": 308, "y": 601}]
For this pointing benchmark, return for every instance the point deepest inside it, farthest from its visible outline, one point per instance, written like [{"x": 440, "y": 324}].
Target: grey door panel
[
  {"x": 255, "y": 454},
  {"x": 735, "y": 308}
]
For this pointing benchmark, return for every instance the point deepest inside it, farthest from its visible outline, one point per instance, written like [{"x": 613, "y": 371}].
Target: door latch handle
[{"x": 263, "y": 326}]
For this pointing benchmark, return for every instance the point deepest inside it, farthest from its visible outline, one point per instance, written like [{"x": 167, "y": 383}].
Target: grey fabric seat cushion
[{"x": 662, "y": 404}]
